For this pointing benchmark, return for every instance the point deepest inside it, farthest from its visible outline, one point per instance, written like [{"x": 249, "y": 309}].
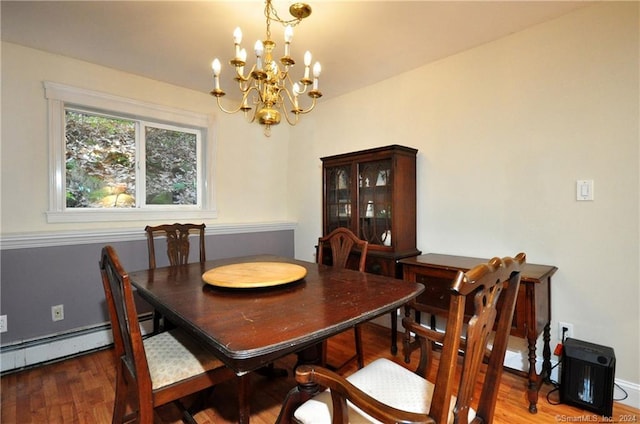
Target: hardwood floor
[{"x": 81, "y": 390}]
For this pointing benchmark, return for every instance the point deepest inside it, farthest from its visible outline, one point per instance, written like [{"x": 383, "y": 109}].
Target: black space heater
[{"x": 588, "y": 372}]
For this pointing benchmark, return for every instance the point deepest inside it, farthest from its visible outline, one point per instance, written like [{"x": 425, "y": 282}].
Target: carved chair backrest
[
  {"x": 177, "y": 242},
  {"x": 342, "y": 242},
  {"x": 499, "y": 278}
]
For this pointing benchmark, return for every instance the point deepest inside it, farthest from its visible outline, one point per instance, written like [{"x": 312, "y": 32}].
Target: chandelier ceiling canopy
[{"x": 268, "y": 91}]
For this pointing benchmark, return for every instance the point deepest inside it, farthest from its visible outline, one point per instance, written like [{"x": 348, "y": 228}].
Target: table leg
[
  {"x": 546, "y": 353},
  {"x": 270, "y": 371},
  {"x": 394, "y": 328},
  {"x": 536, "y": 380},
  {"x": 532, "y": 389},
  {"x": 244, "y": 412},
  {"x": 309, "y": 356}
]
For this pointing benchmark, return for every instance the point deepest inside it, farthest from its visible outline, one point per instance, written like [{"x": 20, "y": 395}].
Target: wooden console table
[{"x": 532, "y": 315}]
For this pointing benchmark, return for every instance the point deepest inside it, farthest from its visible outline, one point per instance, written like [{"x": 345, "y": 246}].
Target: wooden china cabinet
[{"x": 373, "y": 193}]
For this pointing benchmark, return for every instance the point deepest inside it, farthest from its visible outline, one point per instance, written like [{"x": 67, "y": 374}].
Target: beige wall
[
  {"x": 248, "y": 187},
  {"x": 503, "y": 132}
]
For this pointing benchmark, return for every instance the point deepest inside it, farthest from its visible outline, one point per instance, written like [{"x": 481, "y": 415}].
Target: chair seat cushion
[
  {"x": 173, "y": 356},
  {"x": 384, "y": 380}
]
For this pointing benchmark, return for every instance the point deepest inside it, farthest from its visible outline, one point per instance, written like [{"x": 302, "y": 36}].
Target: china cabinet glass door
[
  {"x": 374, "y": 201},
  {"x": 373, "y": 193},
  {"x": 339, "y": 200}
]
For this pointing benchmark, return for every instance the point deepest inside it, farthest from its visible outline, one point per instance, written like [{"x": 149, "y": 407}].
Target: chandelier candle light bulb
[
  {"x": 259, "y": 49},
  {"x": 237, "y": 39},
  {"x": 288, "y": 36},
  {"x": 270, "y": 85},
  {"x": 307, "y": 63},
  {"x": 296, "y": 91},
  {"x": 316, "y": 74},
  {"x": 243, "y": 59},
  {"x": 216, "y": 66}
]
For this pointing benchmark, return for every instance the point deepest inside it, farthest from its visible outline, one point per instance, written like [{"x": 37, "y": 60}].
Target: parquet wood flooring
[{"x": 81, "y": 390}]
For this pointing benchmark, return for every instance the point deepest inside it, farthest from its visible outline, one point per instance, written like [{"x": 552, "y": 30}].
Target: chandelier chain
[
  {"x": 267, "y": 11},
  {"x": 272, "y": 14}
]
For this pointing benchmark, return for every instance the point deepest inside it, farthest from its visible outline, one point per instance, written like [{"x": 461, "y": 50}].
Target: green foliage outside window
[
  {"x": 171, "y": 167},
  {"x": 101, "y": 163}
]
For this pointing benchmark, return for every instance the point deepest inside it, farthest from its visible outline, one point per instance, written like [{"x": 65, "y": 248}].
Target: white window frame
[
  {"x": 59, "y": 96},
  {"x": 141, "y": 173}
]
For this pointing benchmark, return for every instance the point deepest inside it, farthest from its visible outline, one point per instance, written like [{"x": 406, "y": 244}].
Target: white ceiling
[{"x": 357, "y": 42}]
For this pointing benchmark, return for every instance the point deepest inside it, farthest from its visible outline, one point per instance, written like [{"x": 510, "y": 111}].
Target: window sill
[{"x": 103, "y": 215}]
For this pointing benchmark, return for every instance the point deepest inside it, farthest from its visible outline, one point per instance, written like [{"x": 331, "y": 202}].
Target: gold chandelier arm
[
  {"x": 226, "y": 110},
  {"x": 242, "y": 106},
  {"x": 297, "y": 112},
  {"x": 303, "y": 90},
  {"x": 244, "y": 85},
  {"x": 289, "y": 120},
  {"x": 244, "y": 82},
  {"x": 253, "y": 117},
  {"x": 294, "y": 102},
  {"x": 288, "y": 97},
  {"x": 313, "y": 104}
]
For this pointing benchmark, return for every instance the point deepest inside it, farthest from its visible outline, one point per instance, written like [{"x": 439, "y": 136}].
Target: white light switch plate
[{"x": 584, "y": 190}]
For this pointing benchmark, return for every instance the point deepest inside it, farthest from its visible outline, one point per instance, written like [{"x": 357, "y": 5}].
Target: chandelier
[{"x": 268, "y": 89}]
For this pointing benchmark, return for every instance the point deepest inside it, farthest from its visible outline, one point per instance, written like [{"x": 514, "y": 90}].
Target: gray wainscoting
[{"x": 37, "y": 275}]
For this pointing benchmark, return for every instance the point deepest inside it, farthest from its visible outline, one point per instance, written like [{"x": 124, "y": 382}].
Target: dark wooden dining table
[{"x": 249, "y": 328}]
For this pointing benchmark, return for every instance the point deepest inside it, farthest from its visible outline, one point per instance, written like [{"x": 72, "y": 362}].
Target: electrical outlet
[
  {"x": 57, "y": 313},
  {"x": 3, "y": 323},
  {"x": 561, "y": 329}
]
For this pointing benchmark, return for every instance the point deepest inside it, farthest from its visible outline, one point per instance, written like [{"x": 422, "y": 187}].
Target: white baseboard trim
[
  {"x": 627, "y": 393},
  {"x": 27, "y": 354}
]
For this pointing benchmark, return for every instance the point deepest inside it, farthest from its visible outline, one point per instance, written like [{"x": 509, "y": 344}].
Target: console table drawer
[{"x": 435, "y": 297}]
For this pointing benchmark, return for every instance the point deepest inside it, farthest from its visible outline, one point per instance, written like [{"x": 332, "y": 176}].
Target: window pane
[
  {"x": 171, "y": 167},
  {"x": 100, "y": 161}
]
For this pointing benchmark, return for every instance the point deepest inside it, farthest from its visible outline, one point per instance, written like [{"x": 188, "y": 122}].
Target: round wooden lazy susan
[{"x": 254, "y": 274}]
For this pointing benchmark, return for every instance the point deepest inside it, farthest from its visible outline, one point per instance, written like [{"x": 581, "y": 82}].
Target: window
[
  {"x": 115, "y": 158},
  {"x": 122, "y": 163}
]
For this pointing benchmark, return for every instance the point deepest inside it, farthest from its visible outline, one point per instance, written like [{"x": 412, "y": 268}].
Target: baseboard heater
[{"x": 36, "y": 352}]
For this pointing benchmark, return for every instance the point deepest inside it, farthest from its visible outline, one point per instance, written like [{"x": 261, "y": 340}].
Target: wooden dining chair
[
  {"x": 388, "y": 392},
  {"x": 160, "y": 369},
  {"x": 178, "y": 247},
  {"x": 178, "y": 244},
  {"x": 343, "y": 242}
]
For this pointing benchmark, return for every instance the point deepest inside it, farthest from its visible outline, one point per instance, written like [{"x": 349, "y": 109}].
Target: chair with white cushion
[
  {"x": 160, "y": 369},
  {"x": 385, "y": 391}
]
